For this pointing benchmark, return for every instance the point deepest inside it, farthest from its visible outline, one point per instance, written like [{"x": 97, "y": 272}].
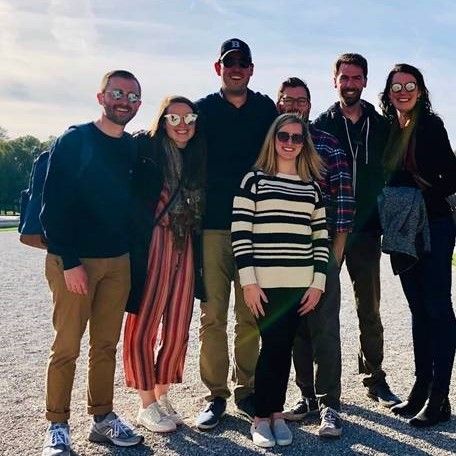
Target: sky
[{"x": 53, "y": 53}]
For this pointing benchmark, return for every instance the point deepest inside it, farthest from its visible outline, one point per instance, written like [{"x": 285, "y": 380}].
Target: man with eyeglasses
[
  {"x": 86, "y": 200},
  {"x": 236, "y": 122},
  {"x": 318, "y": 335},
  {"x": 362, "y": 133}
]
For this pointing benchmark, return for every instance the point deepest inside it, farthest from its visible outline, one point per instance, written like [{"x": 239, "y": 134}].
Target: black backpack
[{"x": 30, "y": 229}]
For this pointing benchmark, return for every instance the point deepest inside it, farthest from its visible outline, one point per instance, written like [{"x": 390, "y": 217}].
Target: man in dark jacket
[
  {"x": 362, "y": 133},
  {"x": 236, "y": 122},
  {"x": 86, "y": 224}
]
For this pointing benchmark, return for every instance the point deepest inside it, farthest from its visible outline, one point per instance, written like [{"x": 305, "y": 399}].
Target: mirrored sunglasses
[
  {"x": 175, "y": 119},
  {"x": 118, "y": 94},
  {"x": 408, "y": 86},
  {"x": 284, "y": 137}
]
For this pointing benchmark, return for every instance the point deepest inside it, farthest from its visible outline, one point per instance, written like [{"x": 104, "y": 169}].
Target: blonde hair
[{"x": 309, "y": 164}]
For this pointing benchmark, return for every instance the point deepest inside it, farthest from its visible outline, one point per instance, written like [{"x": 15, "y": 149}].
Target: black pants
[
  {"x": 318, "y": 341},
  {"x": 277, "y": 330},
  {"x": 427, "y": 287}
]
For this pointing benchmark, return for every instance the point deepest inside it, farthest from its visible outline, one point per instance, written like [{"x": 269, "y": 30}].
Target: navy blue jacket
[{"x": 85, "y": 215}]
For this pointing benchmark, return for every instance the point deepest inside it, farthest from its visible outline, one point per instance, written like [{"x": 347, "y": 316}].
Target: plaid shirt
[{"x": 336, "y": 182}]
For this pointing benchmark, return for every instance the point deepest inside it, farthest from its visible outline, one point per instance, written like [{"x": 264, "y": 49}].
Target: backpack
[{"x": 30, "y": 229}]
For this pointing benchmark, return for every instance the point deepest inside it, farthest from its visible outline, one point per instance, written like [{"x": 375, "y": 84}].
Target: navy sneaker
[
  {"x": 57, "y": 441},
  {"x": 246, "y": 407},
  {"x": 306, "y": 407},
  {"x": 211, "y": 414},
  {"x": 331, "y": 424}
]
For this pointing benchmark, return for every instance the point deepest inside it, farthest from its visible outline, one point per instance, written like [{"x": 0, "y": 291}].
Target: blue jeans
[{"x": 427, "y": 287}]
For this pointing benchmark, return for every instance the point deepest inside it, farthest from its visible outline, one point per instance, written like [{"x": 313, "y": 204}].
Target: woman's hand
[
  {"x": 253, "y": 295},
  {"x": 309, "y": 301}
]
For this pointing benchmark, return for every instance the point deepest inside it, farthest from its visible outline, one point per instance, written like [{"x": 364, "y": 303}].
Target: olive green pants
[{"x": 219, "y": 271}]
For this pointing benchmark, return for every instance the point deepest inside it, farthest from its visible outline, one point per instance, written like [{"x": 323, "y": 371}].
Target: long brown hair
[
  {"x": 194, "y": 160},
  {"x": 309, "y": 165}
]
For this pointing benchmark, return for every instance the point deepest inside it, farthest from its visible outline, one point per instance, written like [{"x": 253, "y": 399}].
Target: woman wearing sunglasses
[
  {"x": 418, "y": 158},
  {"x": 168, "y": 186},
  {"x": 280, "y": 243}
]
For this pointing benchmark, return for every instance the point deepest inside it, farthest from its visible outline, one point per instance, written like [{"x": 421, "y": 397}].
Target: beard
[
  {"x": 350, "y": 100},
  {"x": 119, "y": 118}
]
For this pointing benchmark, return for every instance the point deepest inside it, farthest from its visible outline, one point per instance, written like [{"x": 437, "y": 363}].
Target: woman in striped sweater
[{"x": 280, "y": 243}]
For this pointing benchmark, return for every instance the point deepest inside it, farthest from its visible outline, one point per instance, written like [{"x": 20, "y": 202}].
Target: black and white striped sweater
[{"x": 279, "y": 233}]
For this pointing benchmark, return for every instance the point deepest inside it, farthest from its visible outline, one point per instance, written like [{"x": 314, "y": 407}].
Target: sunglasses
[
  {"x": 284, "y": 137},
  {"x": 175, "y": 119},
  {"x": 290, "y": 101},
  {"x": 408, "y": 86},
  {"x": 118, "y": 94},
  {"x": 230, "y": 62}
]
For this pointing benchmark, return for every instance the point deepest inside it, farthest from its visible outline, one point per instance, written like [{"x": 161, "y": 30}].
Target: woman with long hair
[
  {"x": 418, "y": 156},
  {"x": 165, "y": 255},
  {"x": 280, "y": 243}
]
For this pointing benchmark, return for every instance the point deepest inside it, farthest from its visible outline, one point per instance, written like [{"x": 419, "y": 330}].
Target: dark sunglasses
[
  {"x": 408, "y": 86},
  {"x": 118, "y": 94},
  {"x": 230, "y": 62},
  {"x": 284, "y": 137}
]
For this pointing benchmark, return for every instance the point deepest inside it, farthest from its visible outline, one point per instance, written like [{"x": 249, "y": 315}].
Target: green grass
[{"x": 11, "y": 228}]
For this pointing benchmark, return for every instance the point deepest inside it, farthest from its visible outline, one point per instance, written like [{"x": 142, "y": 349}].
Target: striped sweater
[{"x": 279, "y": 233}]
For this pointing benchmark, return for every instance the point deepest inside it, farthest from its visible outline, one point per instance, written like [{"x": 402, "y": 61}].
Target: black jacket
[
  {"x": 436, "y": 164},
  {"x": 148, "y": 182},
  {"x": 368, "y": 168},
  {"x": 234, "y": 138}
]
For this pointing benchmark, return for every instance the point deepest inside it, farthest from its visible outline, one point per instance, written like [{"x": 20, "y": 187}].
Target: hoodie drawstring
[{"x": 355, "y": 152}]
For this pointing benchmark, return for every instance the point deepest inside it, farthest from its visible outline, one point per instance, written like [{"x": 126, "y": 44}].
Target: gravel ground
[{"x": 368, "y": 428}]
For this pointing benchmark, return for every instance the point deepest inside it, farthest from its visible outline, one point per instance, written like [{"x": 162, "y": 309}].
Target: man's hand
[
  {"x": 338, "y": 247},
  {"x": 309, "y": 300},
  {"x": 253, "y": 295},
  {"x": 76, "y": 280}
]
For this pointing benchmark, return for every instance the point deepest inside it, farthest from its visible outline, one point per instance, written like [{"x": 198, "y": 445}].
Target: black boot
[
  {"x": 414, "y": 402},
  {"x": 436, "y": 410}
]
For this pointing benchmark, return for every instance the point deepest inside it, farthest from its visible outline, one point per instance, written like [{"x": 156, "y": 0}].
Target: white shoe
[
  {"x": 168, "y": 409},
  {"x": 262, "y": 435},
  {"x": 281, "y": 431},
  {"x": 154, "y": 419}
]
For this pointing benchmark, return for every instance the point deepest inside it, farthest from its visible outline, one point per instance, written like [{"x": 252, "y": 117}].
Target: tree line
[{"x": 16, "y": 159}]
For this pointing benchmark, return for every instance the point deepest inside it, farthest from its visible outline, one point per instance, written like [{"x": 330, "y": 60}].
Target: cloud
[{"x": 72, "y": 25}]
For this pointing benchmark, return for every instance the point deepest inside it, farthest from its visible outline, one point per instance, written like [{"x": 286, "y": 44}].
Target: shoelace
[
  {"x": 59, "y": 436},
  {"x": 164, "y": 403},
  {"x": 329, "y": 416},
  {"x": 120, "y": 426}
]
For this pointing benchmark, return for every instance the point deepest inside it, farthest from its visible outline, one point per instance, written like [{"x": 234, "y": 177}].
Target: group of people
[{"x": 238, "y": 189}]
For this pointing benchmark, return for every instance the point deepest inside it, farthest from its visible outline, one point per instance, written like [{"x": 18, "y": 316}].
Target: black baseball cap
[{"x": 235, "y": 44}]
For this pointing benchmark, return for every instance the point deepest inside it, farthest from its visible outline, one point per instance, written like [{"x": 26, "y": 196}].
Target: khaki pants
[
  {"x": 219, "y": 271},
  {"x": 103, "y": 308}
]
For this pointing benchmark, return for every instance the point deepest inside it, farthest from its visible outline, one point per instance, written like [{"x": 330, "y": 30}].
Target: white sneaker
[
  {"x": 281, "y": 431},
  {"x": 262, "y": 435},
  {"x": 168, "y": 409},
  {"x": 154, "y": 419}
]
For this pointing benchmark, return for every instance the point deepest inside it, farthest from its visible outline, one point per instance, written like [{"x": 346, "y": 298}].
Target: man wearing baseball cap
[{"x": 236, "y": 121}]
